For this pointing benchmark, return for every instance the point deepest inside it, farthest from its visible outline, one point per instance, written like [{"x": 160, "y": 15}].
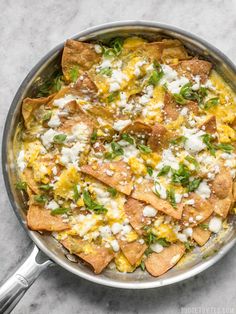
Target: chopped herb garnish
[
  {"x": 144, "y": 149},
  {"x": 211, "y": 103},
  {"x": 116, "y": 44},
  {"x": 163, "y": 242},
  {"x": 142, "y": 266},
  {"x": 207, "y": 140},
  {"x": 165, "y": 170},
  {"x": 149, "y": 171},
  {"x": 112, "y": 97},
  {"x": 178, "y": 140},
  {"x": 51, "y": 84},
  {"x": 151, "y": 238},
  {"x": 126, "y": 137},
  {"x": 204, "y": 226},
  {"x": 156, "y": 75},
  {"x": 171, "y": 197},
  {"x": 225, "y": 147},
  {"x": 106, "y": 71},
  {"x": 59, "y": 138},
  {"x": 94, "y": 137},
  {"x": 112, "y": 191},
  {"x": 189, "y": 246},
  {"x": 116, "y": 149},
  {"x": 76, "y": 193},
  {"x": 194, "y": 184},
  {"x": 47, "y": 115},
  {"x": 179, "y": 99},
  {"x": 187, "y": 93},
  {"x": 46, "y": 187},
  {"x": 20, "y": 185},
  {"x": 193, "y": 161},
  {"x": 181, "y": 176},
  {"x": 59, "y": 211},
  {"x": 91, "y": 205},
  {"x": 74, "y": 73},
  {"x": 40, "y": 199}
]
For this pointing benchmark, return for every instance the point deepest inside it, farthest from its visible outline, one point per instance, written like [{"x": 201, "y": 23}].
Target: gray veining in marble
[{"x": 28, "y": 29}]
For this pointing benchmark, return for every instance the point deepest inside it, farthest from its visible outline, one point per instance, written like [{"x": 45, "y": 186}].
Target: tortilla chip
[
  {"x": 85, "y": 85},
  {"x": 209, "y": 125},
  {"x": 222, "y": 185},
  {"x": 97, "y": 257},
  {"x": 221, "y": 206},
  {"x": 78, "y": 55},
  {"x": 79, "y": 116},
  {"x": 194, "y": 67},
  {"x": 200, "y": 235},
  {"x": 30, "y": 105},
  {"x": 198, "y": 212},
  {"x": 134, "y": 210},
  {"x": 143, "y": 192},
  {"x": 138, "y": 129},
  {"x": 192, "y": 106},
  {"x": 170, "y": 108},
  {"x": 28, "y": 175},
  {"x": 159, "y": 263},
  {"x": 121, "y": 179},
  {"x": 159, "y": 137},
  {"x": 40, "y": 219},
  {"x": 133, "y": 251},
  {"x": 234, "y": 191}
]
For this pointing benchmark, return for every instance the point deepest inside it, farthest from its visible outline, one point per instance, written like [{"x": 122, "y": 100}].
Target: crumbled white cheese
[
  {"x": 81, "y": 131},
  {"x": 156, "y": 247},
  {"x": 98, "y": 48},
  {"x": 182, "y": 237},
  {"x": 105, "y": 231},
  {"x": 54, "y": 122},
  {"x": 188, "y": 232},
  {"x": 193, "y": 143},
  {"x": 203, "y": 190},
  {"x": 137, "y": 67},
  {"x": 47, "y": 137},
  {"x": 114, "y": 86},
  {"x": 71, "y": 155},
  {"x": 108, "y": 172},
  {"x": 121, "y": 124},
  {"x": 149, "y": 211},
  {"x": 215, "y": 224},
  {"x": 115, "y": 245},
  {"x": 116, "y": 228},
  {"x": 61, "y": 102},
  {"x": 190, "y": 202},
  {"x": 184, "y": 111},
  {"x": 175, "y": 259},
  {"x": 52, "y": 205},
  {"x": 21, "y": 160}
]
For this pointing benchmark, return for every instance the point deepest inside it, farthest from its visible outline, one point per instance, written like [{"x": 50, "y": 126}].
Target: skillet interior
[{"x": 213, "y": 251}]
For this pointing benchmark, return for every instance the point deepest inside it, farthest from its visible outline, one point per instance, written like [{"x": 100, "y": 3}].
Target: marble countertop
[{"x": 28, "y": 29}]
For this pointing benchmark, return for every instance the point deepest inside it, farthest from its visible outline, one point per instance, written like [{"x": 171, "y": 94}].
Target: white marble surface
[{"x": 28, "y": 29}]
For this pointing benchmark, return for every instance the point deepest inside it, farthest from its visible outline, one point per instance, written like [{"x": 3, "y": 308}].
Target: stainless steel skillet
[{"x": 46, "y": 250}]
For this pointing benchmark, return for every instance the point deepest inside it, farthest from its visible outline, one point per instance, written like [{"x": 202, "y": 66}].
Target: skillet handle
[{"x": 15, "y": 287}]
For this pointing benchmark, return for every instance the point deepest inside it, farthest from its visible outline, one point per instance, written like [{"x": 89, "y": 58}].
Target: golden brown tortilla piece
[
  {"x": 143, "y": 192},
  {"x": 222, "y": 185},
  {"x": 172, "y": 109},
  {"x": 200, "y": 235},
  {"x": 121, "y": 178},
  {"x": 202, "y": 209},
  {"x": 138, "y": 129},
  {"x": 79, "y": 116},
  {"x": 222, "y": 192},
  {"x": 209, "y": 125},
  {"x": 134, "y": 210},
  {"x": 85, "y": 85},
  {"x": 133, "y": 251},
  {"x": 30, "y": 105},
  {"x": 40, "y": 219},
  {"x": 97, "y": 257},
  {"x": 78, "y": 55},
  {"x": 159, "y": 263},
  {"x": 29, "y": 179},
  {"x": 234, "y": 191},
  {"x": 194, "y": 67},
  {"x": 159, "y": 137}
]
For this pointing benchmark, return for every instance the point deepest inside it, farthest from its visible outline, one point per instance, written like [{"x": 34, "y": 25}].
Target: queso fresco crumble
[{"x": 127, "y": 153}]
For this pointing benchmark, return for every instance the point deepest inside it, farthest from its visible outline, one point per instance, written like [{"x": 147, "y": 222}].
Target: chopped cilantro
[
  {"x": 106, "y": 71},
  {"x": 76, "y": 193},
  {"x": 179, "y": 99},
  {"x": 112, "y": 191},
  {"x": 144, "y": 149},
  {"x": 47, "y": 115},
  {"x": 193, "y": 161},
  {"x": 126, "y": 137},
  {"x": 74, "y": 73},
  {"x": 181, "y": 176},
  {"x": 20, "y": 185},
  {"x": 156, "y": 75},
  {"x": 211, "y": 103},
  {"x": 59, "y": 138},
  {"x": 204, "y": 226},
  {"x": 46, "y": 187},
  {"x": 59, "y": 211},
  {"x": 112, "y": 97},
  {"x": 171, "y": 197},
  {"x": 142, "y": 266},
  {"x": 188, "y": 246},
  {"x": 194, "y": 184},
  {"x": 149, "y": 171},
  {"x": 40, "y": 199},
  {"x": 91, "y": 205},
  {"x": 207, "y": 140},
  {"x": 94, "y": 137},
  {"x": 225, "y": 147},
  {"x": 178, "y": 140},
  {"x": 165, "y": 170}
]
